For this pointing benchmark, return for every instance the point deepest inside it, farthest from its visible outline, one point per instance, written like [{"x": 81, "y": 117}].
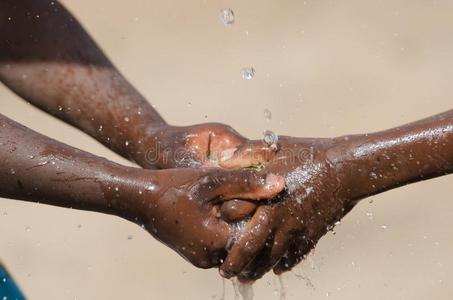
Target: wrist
[
  {"x": 131, "y": 193},
  {"x": 150, "y": 146}
]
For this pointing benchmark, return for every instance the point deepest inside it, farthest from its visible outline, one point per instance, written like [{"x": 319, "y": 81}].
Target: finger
[
  {"x": 241, "y": 184},
  {"x": 236, "y": 210},
  {"x": 264, "y": 263},
  {"x": 254, "y": 153},
  {"x": 296, "y": 253},
  {"x": 250, "y": 242}
]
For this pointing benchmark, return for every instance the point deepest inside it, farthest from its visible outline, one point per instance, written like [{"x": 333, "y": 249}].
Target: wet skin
[
  {"x": 177, "y": 206},
  {"x": 325, "y": 178}
]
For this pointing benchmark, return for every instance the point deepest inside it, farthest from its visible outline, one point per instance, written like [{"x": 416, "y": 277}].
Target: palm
[{"x": 201, "y": 145}]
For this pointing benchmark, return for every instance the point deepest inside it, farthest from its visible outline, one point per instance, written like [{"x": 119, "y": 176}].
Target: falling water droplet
[
  {"x": 227, "y": 17},
  {"x": 270, "y": 138},
  {"x": 248, "y": 73},
  {"x": 267, "y": 114}
]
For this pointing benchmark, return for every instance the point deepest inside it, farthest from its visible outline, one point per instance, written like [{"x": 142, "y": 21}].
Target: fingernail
[
  {"x": 225, "y": 274},
  {"x": 272, "y": 180}
]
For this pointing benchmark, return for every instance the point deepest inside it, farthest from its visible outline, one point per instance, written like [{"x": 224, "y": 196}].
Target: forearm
[
  {"x": 372, "y": 163},
  {"x": 38, "y": 169},
  {"x": 47, "y": 58}
]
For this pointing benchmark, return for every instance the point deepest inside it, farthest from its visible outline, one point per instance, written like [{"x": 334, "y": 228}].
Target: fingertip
[
  {"x": 269, "y": 186},
  {"x": 225, "y": 274},
  {"x": 275, "y": 183}
]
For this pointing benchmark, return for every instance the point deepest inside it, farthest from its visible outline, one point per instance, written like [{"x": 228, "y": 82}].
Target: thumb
[{"x": 254, "y": 153}]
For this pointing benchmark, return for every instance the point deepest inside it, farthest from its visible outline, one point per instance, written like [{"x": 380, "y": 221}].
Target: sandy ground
[{"x": 323, "y": 68}]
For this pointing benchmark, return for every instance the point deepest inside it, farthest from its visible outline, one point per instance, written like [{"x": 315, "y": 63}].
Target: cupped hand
[
  {"x": 203, "y": 145},
  {"x": 285, "y": 229},
  {"x": 180, "y": 208}
]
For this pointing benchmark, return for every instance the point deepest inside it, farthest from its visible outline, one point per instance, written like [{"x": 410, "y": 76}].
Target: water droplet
[
  {"x": 270, "y": 138},
  {"x": 12, "y": 171},
  {"x": 126, "y": 143},
  {"x": 28, "y": 228},
  {"x": 4, "y": 279},
  {"x": 151, "y": 188},
  {"x": 267, "y": 114},
  {"x": 384, "y": 226},
  {"x": 248, "y": 73},
  {"x": 227, "y": 16},
  {"x": 126, "y": 119}
]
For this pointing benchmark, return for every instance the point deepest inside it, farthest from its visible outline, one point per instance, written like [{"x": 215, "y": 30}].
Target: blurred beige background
[{"x": 323, "y": 68}]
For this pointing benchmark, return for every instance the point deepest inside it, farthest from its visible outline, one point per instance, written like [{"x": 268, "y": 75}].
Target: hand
[
  {"x": 281, "y": 232},
  {"x": 204, "y": 145},
  {"x": 180, "y": 207}
]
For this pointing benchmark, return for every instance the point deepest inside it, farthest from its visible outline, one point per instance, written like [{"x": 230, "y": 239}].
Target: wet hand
[
  {"x": 203, "y": 145},
  {"x": 285, "y": 229},
  {"x": 180, "y": 208}
]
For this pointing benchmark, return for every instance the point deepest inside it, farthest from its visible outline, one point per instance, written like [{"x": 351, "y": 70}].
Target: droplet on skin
[
  {"x": 248, "y": 73},
  {"x": 227, "y": 17},
  {"x": 151, "y": 188}
]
